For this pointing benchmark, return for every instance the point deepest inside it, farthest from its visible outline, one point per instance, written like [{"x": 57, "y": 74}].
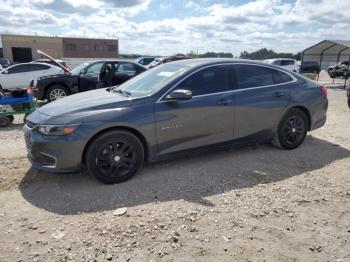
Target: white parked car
[
  {"x": 20, "y": 75},
  {"x": 287, "y": 63}
]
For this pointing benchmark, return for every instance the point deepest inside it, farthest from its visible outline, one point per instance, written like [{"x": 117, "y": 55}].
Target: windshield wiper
[{"x": 121, "y": 92}]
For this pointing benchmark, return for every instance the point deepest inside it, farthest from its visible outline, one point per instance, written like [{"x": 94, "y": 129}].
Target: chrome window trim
[{"x": 294, "y": 79}]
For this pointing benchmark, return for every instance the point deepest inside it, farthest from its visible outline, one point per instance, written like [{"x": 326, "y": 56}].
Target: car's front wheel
[
  {"x": 114, "y": 156},
  {"x": 56, "y": 92},
  {"x": 292, "y": 129}
]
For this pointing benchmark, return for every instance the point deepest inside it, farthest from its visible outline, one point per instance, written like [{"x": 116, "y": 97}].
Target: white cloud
[{"x": 287, "y": 27}]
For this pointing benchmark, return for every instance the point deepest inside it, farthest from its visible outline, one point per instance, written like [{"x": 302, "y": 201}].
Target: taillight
[{"x": 324, "y": 91}]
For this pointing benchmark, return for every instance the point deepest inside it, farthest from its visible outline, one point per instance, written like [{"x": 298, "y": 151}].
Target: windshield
[
  {"x": 76, "y": 70},
  {"x": 151, "y": 81}
]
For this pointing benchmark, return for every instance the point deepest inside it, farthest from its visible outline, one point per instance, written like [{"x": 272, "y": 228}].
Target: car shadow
[
  {"x": 188, "y": 178},
  {"x": 12, "y": 127}
]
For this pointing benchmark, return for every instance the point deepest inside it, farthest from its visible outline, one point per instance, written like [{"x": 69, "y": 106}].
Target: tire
[
  {"x": 11, "y": 118},
  {"x": 291, "y": 130},
  {"x": 349, "y": 102},
  {"x": 4, "y": 121},
  {"x": 56, "y": 92},
  {"x": 114, "y": 157}
]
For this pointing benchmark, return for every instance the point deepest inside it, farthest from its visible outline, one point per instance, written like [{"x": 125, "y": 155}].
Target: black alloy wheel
[
  {"x": 292, "y": 129},
  {"x": 115, "y": 156}
]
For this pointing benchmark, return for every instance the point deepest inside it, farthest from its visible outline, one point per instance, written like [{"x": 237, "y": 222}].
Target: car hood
[
  {"x": 58, "y": 76},
  {"x": 53, "y": 60},
  {"x": 86, "y": 103}
]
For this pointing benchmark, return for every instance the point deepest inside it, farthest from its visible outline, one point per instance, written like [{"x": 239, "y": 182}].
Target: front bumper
[
  {"x": 57, "y": 154},
  {"x": 37, "y": 92}
]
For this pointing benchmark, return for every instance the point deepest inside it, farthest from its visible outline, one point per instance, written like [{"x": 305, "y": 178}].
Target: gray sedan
[{"x": 176, "y": 107}]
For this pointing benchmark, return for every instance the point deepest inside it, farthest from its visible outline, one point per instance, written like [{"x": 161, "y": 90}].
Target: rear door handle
[
  {"x": 224, "y": 102},
  {"x": 279, "y": 94}
]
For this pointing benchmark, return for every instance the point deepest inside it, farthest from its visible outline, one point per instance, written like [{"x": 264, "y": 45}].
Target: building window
[
  {"x": 112, "y": 48},
  {"x": 99, "y": 48},
  {"x": 87, "y": 47},
  {"x": 71, "y": 47}
]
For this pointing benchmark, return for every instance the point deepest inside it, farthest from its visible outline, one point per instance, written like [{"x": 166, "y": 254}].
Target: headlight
[{"x": 57, "y": 130}]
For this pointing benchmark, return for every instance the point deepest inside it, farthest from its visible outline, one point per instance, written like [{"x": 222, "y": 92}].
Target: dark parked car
[
  {"x": 87, "y": 76},
  {"x": 339, "y": 70},
  {"x": 174, "y": 107},
  {"x": 310, "y": 67},
  {"x": 4, "y": 63}
]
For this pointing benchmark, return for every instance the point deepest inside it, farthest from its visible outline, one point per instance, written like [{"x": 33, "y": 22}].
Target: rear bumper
[{"x": 318, "y": 113}]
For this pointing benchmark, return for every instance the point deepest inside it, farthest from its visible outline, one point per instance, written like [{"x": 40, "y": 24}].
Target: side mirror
[{"x": 179, "y": 94}]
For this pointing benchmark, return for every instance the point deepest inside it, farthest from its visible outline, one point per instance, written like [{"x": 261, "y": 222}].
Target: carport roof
[{"x": 329, "y": 47}]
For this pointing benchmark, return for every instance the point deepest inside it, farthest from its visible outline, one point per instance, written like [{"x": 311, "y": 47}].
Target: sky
[{"x": 166, "y": 27}]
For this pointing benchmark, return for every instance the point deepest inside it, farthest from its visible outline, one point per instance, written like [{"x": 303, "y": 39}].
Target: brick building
[{"x": 22, "y": 48}]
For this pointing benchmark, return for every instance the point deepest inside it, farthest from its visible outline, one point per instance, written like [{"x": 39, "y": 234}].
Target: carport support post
[
  {"x": 301, "y": 63},
  {"x": 339, "y": 53},
  {"x": 347, "y": 71},
  {"x": 321, "y": 59}
]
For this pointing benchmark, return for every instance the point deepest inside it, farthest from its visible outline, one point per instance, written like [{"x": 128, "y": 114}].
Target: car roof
[
  {"x": 115, "y": 60},
  {"x": 198, "y": 62},
  {"x": 33, "y": 63},
  {"x": 111, "y": 60},
  {"x": 275, "y": 59},
  {"x": 46, "y": 59}
]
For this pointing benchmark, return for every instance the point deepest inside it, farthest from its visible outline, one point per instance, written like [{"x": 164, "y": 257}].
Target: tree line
[{"x": 261, "y": 54}]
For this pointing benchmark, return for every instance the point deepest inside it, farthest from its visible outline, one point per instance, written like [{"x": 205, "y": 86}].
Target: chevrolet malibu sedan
[{"x": 176, "y": 107}]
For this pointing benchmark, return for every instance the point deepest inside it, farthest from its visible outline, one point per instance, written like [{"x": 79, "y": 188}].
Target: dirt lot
[{"x": 249, "y": 204}]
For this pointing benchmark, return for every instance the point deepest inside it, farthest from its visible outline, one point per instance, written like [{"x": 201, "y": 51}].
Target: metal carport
[{"x": 327, "y": 53}]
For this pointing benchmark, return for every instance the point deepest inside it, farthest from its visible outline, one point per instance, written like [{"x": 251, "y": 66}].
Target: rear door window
[
  {"x": 126, "y": 67},
  {"x": 95, "y": 68},
  {"x": 18, "y": 69},
  {"x": 249, "y": 76},
  {"x": 35, "y": 67}
]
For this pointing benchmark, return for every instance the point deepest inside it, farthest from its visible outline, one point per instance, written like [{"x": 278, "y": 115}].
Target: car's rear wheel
[
  {"x": 56, "y": 92},
  {"x": 114, "y": 156},
  {"x": 4, "y": 121},
  {"x": 11, "y": 118},
  {"x": 292, "y": 129}
]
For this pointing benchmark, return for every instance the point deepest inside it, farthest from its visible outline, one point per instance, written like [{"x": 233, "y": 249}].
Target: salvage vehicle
[
  {"x": 339, "y": 70},
  {"x": 20, "y": 75},
  {"x": 87, "y": 76},
  {"x": 175, "y": 107}
]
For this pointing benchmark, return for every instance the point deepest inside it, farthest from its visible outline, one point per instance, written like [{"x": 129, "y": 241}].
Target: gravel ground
[{"x": 248, "y": 204}]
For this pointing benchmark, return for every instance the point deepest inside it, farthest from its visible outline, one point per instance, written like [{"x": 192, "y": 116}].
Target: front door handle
[
  {"x": 224, "y": 102},
  {"x": 279, "y": 94}
]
